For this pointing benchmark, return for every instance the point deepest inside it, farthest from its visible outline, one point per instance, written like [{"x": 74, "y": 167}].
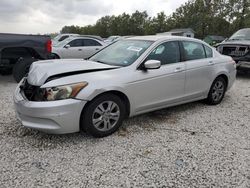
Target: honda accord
[{"x": 129, "y": 77}]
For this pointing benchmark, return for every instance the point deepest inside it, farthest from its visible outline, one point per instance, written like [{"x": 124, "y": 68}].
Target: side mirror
[
  {"x": 152, "y": 64},
  {"x": 67, "y": 46}
]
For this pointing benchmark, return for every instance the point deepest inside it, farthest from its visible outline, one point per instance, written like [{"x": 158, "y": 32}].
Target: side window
[
  {"x": 63, "y": 37},
  {"x": 90, "y": 42},
  {"x": 193, "y": 50},
  {"x": 167, "y": 53},
  {"x": 76, "y": 43},
  {"x": 209, "y": 51}
]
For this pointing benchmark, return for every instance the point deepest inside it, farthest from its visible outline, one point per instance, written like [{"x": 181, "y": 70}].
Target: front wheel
[
  {"x": 217, "y": 91},
  {"x": 103, "y": 116}
]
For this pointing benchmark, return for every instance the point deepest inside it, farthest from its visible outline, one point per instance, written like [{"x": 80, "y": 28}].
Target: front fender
[{"x": 89, "y": 94}]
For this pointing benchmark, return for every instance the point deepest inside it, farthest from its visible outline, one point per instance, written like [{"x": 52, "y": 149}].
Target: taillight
[{"x": 49, "y": 46}]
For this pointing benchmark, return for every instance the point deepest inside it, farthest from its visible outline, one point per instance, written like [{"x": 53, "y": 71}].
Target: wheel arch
[
  {"x": 56, "y": 54},
  {"x": 118, "y": 93},
  {"x": 224, "y": 76}
]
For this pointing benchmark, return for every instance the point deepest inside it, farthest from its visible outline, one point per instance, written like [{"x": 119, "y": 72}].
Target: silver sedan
[{"x": 130, "y": 77}]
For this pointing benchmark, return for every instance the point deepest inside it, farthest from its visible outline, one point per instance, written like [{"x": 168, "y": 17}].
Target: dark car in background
[
  {"x": 18, "y": 52},
  {"x": 238, "y": 47}
]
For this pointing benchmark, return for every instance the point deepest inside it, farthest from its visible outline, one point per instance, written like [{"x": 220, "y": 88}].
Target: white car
[
  {"x": 127, "y": 78},
  {"x": 112, "y": 39},
  {"x": 77, "y": 48},
  {"x": 62, "y": 37}
]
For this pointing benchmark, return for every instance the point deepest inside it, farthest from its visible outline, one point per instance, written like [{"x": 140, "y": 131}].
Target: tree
[{"x": 205, "y": 17}]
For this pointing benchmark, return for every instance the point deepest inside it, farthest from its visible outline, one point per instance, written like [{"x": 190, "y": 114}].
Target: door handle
[
  {"x": 79, "y": 49},
  {"x": 97, "y": 49},
  {"x": 211, "y": 63},
  {"x": 178, "y": 69}
]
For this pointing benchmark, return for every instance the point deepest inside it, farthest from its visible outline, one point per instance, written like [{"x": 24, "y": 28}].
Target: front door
[
  {"x": 161, "y": 87},
  {"x": 75, "y": 49}
]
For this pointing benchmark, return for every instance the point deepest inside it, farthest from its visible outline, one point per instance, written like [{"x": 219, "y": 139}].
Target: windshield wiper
[{"x": 98, "y": 61}]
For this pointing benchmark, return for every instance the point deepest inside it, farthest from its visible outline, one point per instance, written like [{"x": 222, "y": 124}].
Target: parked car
[
  {"x": 238, "y": 47},
  {"x": 130, "y": 77},
  {"x": 62, "y": 37},
  {"x": 18, "y": 52},
  {"x": 112, "y": 39},
  {"x": 213, "y": 40},
  {"x": 77, "y": 47}
]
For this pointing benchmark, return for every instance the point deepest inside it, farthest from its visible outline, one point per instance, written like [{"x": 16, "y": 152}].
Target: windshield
[
  {"x": 243, "y": 34},
  {"x": 122, "y": 53}
]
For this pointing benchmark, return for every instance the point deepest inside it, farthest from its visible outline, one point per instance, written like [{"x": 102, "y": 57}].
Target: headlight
[{"x": 63, "y": 92}]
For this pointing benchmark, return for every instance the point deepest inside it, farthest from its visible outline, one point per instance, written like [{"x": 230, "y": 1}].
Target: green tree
[{"x": 205, "y": 17}]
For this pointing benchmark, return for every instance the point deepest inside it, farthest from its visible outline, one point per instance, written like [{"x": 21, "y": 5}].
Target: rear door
[{"x": 199, "y": 67}]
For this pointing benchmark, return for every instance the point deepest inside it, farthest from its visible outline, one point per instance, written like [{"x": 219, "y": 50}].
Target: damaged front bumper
[
  {"x": 54, "y": 117},
  {"x": 243, "y": 65}
]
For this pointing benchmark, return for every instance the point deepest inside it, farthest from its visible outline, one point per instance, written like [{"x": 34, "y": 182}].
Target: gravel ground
[{"x": 192, "y": 145}]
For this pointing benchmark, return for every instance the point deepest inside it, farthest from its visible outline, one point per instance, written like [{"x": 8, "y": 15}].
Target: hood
[
  {"x": 236, "y": 42},
  {"x": 41, "y": 71}
]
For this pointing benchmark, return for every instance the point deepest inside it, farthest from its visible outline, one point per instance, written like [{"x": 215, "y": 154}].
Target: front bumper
[
  {"x": 54, "y": 117},
  {"x": 243, "y": 65}
]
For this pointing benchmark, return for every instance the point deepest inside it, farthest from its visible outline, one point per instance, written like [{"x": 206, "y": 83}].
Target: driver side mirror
[
  {"x": 67, "y": 46},
  {"x": 152, "y": 64}
]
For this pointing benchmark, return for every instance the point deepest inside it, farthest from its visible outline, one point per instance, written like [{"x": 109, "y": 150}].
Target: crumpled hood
[
  {"x": 236, "y": 42},
  {"x": 40, "y": 71}
]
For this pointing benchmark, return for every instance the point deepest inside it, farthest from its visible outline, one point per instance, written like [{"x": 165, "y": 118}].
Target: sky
[{"x": 49, "y": 16}]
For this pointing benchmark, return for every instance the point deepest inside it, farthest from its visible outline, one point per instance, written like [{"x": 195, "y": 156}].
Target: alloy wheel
[
  {"x": 218, "y": 90},
  {"x": 106, "y": 115}
]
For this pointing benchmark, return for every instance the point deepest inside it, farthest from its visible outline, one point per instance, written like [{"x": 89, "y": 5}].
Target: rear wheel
[
  {"x": 217, "y": 91},
  {"x": 21, "y": 68},
  {"x": 103, "y": 116}
]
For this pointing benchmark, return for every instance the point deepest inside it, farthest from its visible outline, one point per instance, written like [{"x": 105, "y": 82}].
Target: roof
[
  {"x": 183, "y": 30},
  {"x": 216, "y": 37},
  {"x": 88, "y": 36},
  {"x": 161, "y": 37}
]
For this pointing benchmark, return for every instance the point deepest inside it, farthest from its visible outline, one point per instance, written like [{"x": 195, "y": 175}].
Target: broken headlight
[{"x": 63, "y": 92}]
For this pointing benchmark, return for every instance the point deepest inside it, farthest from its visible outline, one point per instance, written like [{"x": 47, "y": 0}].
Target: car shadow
[
  {"x": 147, "y": 123},
  {"x": 243, "y": 74}
]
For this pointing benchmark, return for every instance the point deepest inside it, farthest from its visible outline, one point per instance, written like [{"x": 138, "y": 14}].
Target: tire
[
  {"x": 54, "y": 56},
  {"x": 92, "y": 113},
  {"x": 21, "y": 68},
  {"x": 217, "y": 91}
]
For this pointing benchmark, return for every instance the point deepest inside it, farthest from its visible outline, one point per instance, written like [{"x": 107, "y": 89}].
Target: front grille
[{"x": 235, "y": 51}]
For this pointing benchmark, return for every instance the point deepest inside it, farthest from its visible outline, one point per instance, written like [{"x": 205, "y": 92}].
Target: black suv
[{"x": 238, "y": 47}]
